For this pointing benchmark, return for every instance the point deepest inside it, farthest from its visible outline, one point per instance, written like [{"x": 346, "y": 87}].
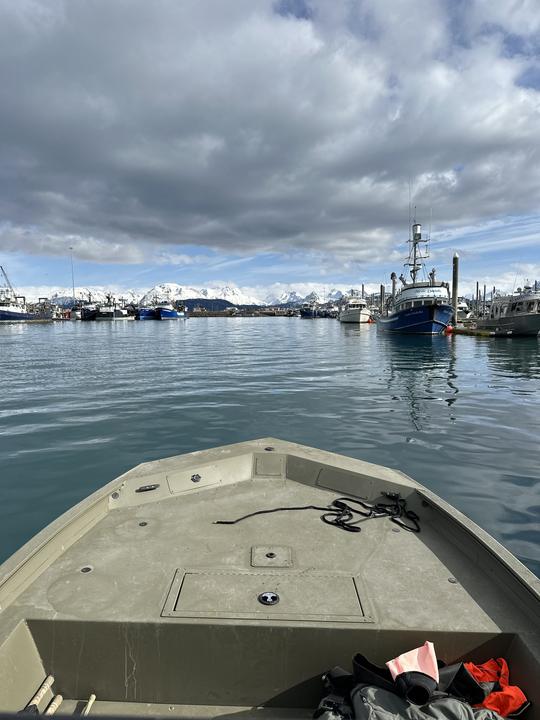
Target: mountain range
[
  {"x": 171, "y": 292},
  {"x": 174, "y": 292}
]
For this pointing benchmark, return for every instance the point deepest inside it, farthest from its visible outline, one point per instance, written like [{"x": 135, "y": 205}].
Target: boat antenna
[
  {"x": 409, "y": 208},
  {"x": 72, "y": 274}
]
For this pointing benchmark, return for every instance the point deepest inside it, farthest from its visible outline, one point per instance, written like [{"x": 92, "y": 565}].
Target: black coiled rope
[{"x": 342, "y": 515}]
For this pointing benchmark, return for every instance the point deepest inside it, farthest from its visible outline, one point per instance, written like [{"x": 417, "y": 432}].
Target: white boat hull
[{"x": 356, "y": 315}]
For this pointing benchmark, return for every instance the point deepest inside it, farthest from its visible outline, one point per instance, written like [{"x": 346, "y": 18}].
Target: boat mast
[
  {"x": 4, "y": 275},
  {"x": 72, "y": 276},
  {"x": 415, "y": 255}
]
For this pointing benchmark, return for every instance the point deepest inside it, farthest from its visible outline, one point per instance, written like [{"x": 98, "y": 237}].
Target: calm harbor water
[{"x": 83, "y": 402}]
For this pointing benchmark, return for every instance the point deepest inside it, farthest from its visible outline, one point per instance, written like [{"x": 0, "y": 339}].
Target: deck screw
[
  {"x": 452, "y": 580},
  {"x": 143, "y": 523},
  {"x": 196, "y": 478},
  {"x": 268, "y": 449},
  {"x": 115, "y": 495},
  {"x": 86, "y": 569},
  {"x": 271, "y": 555}
]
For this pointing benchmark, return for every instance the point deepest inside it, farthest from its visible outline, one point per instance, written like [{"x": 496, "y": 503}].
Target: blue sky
[{"x": 270, "y": 143}]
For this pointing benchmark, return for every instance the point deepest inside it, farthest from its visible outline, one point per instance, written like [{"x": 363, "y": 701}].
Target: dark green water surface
[{"x": 83, "y": 402}]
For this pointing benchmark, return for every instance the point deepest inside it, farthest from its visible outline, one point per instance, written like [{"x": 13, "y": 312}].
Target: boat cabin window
[
  {"x": 513, "y": 307},
  {"x": 519, "y": 307},
  {"x": 417, "y": 303},
  {"x": 530, "y": 306}
]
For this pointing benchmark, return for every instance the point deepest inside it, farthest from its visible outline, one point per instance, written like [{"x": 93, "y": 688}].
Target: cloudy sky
[{"x": 265, "y": 141}]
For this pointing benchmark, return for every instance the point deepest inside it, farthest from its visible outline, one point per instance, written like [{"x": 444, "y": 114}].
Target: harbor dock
[{"x": 475, "y": 332}]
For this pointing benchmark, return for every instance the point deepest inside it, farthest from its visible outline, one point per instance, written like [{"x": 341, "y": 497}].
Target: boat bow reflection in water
[{"x": 421, "y": 370}]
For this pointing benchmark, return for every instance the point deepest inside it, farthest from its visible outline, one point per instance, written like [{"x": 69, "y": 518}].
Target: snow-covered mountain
[
  {"x": 171, "y": 292},
  {"x": 313, "y": 297},
  {"x": 286, "y": 298},
  {"x": 306, "y": 293},
  {"x": 278, "y": 294}
]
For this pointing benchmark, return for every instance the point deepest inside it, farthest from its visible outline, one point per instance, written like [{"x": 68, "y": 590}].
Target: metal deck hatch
[{"x": 234, "y": 594}]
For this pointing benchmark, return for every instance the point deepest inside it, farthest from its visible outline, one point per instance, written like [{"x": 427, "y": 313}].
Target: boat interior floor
[{"x": 138, "y": 596}]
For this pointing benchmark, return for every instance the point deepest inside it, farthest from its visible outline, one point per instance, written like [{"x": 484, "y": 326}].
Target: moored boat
[
  {"x": 146, "y": 313},
  {"x": 109, "y": 310},
  {"x": 89, "y": 311},
  {"x": 105, "y": 311},
  {"x": 517, "y": 314},
  {"x": 166, "y": 311},
  {"x": 463, "y": 310},
  {"x": 12, "y": 306},
  {"x": 354, "y": 310},
  {"x": 222, "y": 583},
  {"x": 419, "y": 307},
  {"x": 121, "y": 313},
  {"x": 310, "y": 310}
]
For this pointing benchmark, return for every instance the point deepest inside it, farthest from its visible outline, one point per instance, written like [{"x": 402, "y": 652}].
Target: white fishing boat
[{"x": 354, "y": 310}]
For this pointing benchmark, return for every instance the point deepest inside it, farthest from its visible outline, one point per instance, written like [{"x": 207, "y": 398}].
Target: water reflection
[
  {"x": 82, "y": 403},
  {"x": 420, "y": 370},
  {"x": 515, "y": 356}
]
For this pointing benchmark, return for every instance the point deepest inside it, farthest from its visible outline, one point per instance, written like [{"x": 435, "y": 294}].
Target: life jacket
[
  {"x": 494, "y": 677},
  {"x": 372, "y": 702},
  {"x": 464, "y": 692}
]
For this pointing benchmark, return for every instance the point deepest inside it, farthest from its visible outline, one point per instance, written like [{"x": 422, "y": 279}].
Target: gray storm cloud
[{"x": 266, "y": 126}]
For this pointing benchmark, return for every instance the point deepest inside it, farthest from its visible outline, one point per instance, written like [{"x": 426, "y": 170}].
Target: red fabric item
[{"x": 509, "y": 698}]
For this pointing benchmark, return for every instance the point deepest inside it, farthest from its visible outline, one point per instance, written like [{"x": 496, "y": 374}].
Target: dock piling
[{"x": 455, "y": 280}]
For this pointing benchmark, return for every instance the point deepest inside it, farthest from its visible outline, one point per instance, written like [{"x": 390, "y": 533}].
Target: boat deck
[{"x": 139, "y": 597}]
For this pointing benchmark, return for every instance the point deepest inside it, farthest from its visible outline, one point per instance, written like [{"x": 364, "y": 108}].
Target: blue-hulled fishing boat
[
  {"x": 146, "y": 313},
  {"x": 161, "y": 311},
  {"x": 166, "y": 311},
  {"x": 419, "y": 307},
  {"x": 13, "y": 306}
]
